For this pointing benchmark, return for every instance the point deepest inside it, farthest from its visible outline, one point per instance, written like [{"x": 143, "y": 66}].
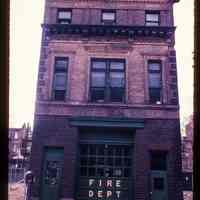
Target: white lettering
[
  {"x": 109, "y": 183},
  {"x": 118, "y": 182},
  {"x": 91, "y": 193},
  {"x": 91, "y": 181},
  {"x": 99, "y": 194},
  {"x": 100, "y": 183},
  {"x": 118, "y": 194},
  {"x": 109, "y": 193}
]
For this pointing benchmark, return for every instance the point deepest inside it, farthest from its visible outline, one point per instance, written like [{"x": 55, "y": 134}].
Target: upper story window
[
  {"x": 107, "y": 80},
  {"x": 155, "y": 81},
  {"x": 60, "y": 78},
  {"x": 64, "y": 16},
  {"x": 108, "y": 17},
  {"x": 152, "y": 18}
]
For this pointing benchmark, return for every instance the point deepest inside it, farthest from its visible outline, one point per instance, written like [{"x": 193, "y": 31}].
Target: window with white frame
[
  {"x": 108, "y": 17},
  {"x": 152, "y": 18},
  {"x": 64, "y": 16}
]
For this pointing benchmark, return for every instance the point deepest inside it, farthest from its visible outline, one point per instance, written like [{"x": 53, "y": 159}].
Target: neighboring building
[
  {"x": 20, "y": 140},
  {"x": 107, "y": 112},
  {"x": 187, "y": 156}
]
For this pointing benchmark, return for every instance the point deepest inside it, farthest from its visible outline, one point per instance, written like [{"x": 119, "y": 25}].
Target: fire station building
[{"x": 107, "y": 112}]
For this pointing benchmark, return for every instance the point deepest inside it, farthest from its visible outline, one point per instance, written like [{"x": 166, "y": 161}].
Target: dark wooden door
[
  {"x": 52, "y": 173},
  {"x": 159, "y": 185}
]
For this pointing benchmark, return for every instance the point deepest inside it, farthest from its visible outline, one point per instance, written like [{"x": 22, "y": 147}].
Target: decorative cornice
[{"x": 57, "y": 30}]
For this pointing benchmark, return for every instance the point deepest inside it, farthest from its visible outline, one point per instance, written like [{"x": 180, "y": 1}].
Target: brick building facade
[
  {"x": 20, "y": 140},
  {"x": 107, "y": 112},
  {"x": 187, "y": 155}
]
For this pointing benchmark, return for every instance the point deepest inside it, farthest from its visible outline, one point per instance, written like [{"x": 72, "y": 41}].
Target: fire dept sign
[{"x": 112, "y": 189}]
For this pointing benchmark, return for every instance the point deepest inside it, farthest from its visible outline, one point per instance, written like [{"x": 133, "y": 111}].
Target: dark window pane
[
  {"x": 52, "y": 172},
  {"x": 127, "y": 162},
  {"x": 116, "y": 94},
  {"x": 154, "y": 80},
  {"x": 117, "y": 79},
  {"x": 158, "y": 161},
  {"x": 91, "y": 171},
  {"x": 83, "y": 160},
  {"x": 158, "y": 184},
  {"x": 118, "y": 151},
  {"x": 110, "y": 151},
  {"x": 154, "y": 95},
  {"x": 118, "y": 161},
  {"x": 100, "y": 172},
  {"x": 101, "y": 150},
  {"x": 127, "y": 172},
  {"x": 98, "y": 65},
  {"x": 116, "y": 65},
  {"x": 83, "y": 171},
  {"x": 98, "y": 79},
  {"x": 109, "y": 161},
  {"x": 97, "y": 94},
  {"x": 100, "y": 161},
  {"x": 59, "y": 95},
  {"x": 60, "y": 81},
  {"x": 84, "y": 149},
  {"x": 92, "y": 150},
  {"x": 61, "y": 64},
  {"x": 92, "y": 160},
  {"x": 154, "y": 66},
  {"x": 127, "y": 151}
]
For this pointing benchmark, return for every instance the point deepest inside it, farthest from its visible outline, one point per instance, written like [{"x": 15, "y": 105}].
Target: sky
[{"x": 26, "y": 17}]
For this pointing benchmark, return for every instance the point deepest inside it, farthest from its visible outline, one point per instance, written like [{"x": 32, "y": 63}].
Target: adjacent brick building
[
  {"x": 187, "y": 157},
  {"x": 107, "y": 113},
  {"x": 20, "y": 140}
]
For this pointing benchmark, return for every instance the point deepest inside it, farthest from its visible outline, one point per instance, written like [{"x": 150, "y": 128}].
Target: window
[
  {"x": 108, "y": 17},
  {"x": 158, "y": 183},
  {"x": 107, "y": 80},
  {"x": 155, "y": 82},
  {"x": 152, "y": 18},
  {"x": 60, "y": 78},
  {"x": 100, "y": 160},
  {"x": 64, "y": 16},
  {"x": 159, "y": 160}
]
